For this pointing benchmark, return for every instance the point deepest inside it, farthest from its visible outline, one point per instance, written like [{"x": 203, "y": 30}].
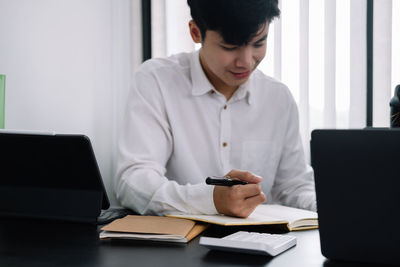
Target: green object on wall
[{"x": 2, "y": 99}]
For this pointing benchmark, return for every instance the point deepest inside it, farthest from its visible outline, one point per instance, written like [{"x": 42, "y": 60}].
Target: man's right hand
[{"x": 239, "y": 200}]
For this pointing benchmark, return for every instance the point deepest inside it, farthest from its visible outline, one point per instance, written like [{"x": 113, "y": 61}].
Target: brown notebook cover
[{"x": 155, "y": 228}]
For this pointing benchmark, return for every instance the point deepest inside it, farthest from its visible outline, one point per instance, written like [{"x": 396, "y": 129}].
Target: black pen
[{"x": 224, "y": 181}]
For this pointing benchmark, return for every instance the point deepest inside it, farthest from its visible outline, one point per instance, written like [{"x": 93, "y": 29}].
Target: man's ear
[{"x": 195, "y": 32}]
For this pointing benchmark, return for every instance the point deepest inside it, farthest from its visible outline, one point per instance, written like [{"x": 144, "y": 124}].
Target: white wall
[{"x": 68, "y": 64}]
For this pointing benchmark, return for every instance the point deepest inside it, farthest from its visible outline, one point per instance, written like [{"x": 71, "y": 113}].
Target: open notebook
[{"x": 291, "y": 218}]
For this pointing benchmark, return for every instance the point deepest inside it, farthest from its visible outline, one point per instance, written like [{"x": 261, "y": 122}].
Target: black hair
[{"x": 238, "y": 21}]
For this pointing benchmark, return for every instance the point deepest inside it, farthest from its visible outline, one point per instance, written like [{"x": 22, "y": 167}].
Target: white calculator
[{"x": 251, "y": 242}]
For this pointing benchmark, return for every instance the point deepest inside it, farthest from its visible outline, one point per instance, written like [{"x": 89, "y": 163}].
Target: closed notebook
[
  {"x": 290, "y": 218},
  {"x": 155, "y": 228}
]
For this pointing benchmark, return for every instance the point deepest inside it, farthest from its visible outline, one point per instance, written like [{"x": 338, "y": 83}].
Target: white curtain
[
  {"x": 382, "y": 62},
  {"x": 395, "y": 43},
  {"x": 320, "y": 53}
]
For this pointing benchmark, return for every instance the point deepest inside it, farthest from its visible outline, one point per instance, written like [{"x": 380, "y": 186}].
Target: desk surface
[{"x": 45, "y": 243}]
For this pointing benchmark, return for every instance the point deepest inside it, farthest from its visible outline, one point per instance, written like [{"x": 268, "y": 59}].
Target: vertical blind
[
  {"x": 382, "y": 60},
  {"x": 319, "y": 49}
]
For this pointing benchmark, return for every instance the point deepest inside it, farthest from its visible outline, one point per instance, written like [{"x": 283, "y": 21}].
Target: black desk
[{"x": 46, "y": 243}]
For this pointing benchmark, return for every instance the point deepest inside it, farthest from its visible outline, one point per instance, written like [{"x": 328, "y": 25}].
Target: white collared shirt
[{"x": 178, "y": 130}]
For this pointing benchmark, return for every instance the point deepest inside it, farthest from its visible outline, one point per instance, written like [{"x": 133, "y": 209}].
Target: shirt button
[
  {"x": 225, "y": 107},
  {"x": 224, "y": 144}
]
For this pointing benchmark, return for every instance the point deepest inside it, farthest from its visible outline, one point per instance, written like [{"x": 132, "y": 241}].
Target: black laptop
[
  {"x": 50, "y": 176},
  {"x": 357, "y": 179}
]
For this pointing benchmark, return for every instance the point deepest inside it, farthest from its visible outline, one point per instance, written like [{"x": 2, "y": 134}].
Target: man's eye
[
  {"x": 228, "y": 48},
  {"x": 258, "y": 44}
]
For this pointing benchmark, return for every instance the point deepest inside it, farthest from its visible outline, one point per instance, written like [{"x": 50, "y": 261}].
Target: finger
[
  {"x": 251, "y": 204},
  {"x": 246, "y": 191},
  {"x": 254, "y": 201},
  {"x": 246, "y": 176}
]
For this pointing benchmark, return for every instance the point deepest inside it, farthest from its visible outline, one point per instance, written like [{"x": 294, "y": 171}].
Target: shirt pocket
[{"x": 259, "y": 157}]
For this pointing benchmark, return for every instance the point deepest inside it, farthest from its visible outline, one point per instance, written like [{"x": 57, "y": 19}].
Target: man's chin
[{"x": 239, "y": 82}]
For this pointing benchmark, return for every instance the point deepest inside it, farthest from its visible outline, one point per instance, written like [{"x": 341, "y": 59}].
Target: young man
[{"x": 212, "y": 113}]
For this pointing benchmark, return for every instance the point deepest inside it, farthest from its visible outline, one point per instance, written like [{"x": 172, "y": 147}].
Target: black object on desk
[
  {"x": 50, "y": 176},
  {"x": 358, "y": 187}
]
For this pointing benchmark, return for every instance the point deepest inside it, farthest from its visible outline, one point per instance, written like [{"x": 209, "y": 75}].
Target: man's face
[{"x": 228, "y": 66}]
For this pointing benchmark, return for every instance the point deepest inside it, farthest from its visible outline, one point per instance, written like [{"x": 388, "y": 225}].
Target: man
[{"x": 212, "y": 113}]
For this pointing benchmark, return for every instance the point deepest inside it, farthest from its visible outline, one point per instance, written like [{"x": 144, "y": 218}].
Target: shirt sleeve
[
  {"x": 145, "y": 145},
  {"x": 294, "y": 181}
]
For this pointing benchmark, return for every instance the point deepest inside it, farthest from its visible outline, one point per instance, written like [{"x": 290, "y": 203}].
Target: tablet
[{"x": 48, "y": 175}]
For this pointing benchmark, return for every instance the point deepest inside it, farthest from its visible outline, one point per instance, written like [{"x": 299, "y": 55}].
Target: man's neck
[
  {"x": 226, "y": 91},
  {"x": 218, "y": 84}
]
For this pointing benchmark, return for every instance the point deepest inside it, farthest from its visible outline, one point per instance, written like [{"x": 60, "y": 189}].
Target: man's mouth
[{"x": 241, "y": 75}]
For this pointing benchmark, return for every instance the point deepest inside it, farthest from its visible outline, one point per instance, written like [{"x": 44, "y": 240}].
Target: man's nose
[{"x": 244, "y": 57}]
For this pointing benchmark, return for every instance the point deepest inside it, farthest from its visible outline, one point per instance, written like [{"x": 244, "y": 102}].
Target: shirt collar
[
  {"x": 201, "y": 85},
  {"x": 245, "y": 91}
]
